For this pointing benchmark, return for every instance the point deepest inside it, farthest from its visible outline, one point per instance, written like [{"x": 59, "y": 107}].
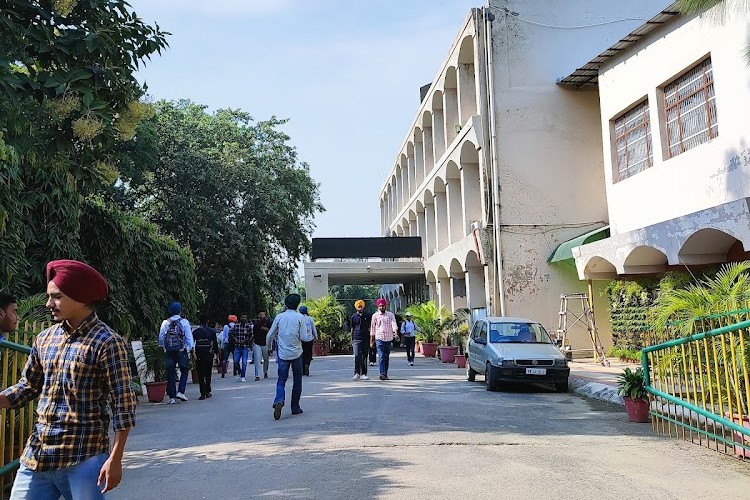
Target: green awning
[{"x": 564, "y": 250}]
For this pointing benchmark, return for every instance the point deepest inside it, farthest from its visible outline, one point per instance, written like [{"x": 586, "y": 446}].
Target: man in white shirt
[
  {"x": 176, "y": 338},
  {"x": 289, "y": 329}
]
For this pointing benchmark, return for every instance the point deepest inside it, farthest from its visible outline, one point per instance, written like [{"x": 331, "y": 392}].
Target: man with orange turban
[
  {"x": 360, "y": 330},
  {"x": 79, "y": 369}
]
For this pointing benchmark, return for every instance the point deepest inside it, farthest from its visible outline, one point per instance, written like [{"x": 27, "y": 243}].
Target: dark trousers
[
  {"x": 173, "y": 359},
  {"x": 361, "y": 348},
  {"x": 306, "y": 356},
  {"x": 373, "y": 353},
  {"x": 203, "y": 365},
  {"x": 296, "y": 366},
  {"x": 410, "y": 342}
]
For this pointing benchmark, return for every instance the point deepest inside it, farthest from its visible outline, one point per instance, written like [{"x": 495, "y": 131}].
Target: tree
[
  {"x": 727, "y": 8},
  {"x": 347, "y": 295},
  {"x": 233, "y": 191}
]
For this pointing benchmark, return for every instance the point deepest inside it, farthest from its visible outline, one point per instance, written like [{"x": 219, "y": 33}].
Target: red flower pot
[
  {"x": 744, "y": 421},
  {"x": 448, "y": 353},
  {"x": 460, "y": 360},
  {"x": 156, "y": 391},
  {"x": 429, "y": 349},
  {"x": 637, "y": 409}
]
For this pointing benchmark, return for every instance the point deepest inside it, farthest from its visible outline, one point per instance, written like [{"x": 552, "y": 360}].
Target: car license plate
[{"x": 536, "y": 371}]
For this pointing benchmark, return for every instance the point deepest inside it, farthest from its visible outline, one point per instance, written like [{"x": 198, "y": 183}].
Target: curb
[{"x": 595, "y": 390}]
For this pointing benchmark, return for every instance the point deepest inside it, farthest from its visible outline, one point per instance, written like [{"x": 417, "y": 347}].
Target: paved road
[{"x": 427, "y": 433}]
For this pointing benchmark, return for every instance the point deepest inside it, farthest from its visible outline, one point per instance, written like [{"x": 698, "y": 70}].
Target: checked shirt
[
  {"x": 383, "y": 326},
  {"x": 243, "y": 334},
  {"x": 78, "y": 375}
]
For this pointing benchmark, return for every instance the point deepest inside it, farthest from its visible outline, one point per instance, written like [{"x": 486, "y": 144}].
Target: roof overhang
[
  {"x": 564, "y": 250},
  {"x": 588, "y": 74}
]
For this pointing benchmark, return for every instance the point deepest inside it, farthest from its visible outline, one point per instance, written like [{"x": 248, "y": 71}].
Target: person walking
[
  {"x": 261, "y": 326},
  {"x": 227, "y": 346},
  {"x": 206, "y": 349},
  {"x": 242, "y": 334},
  {"x": 8, "y": 314},
  {"x": 382, "y": 332},
  {"x": 79, "y": 370},
  {"x": 176, "y": 338},
  {"x": 311, "y": 334},
  {"x": 360, "y": 330},
  {"x": 409, "y": 331},
  {"x": 289, "y": 328}
]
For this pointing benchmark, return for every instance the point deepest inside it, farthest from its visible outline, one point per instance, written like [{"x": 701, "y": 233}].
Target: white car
[{"x": 514, "y": 350}]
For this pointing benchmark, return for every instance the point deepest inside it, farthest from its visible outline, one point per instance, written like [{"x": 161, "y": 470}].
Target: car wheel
[
  {"x": 561, "y": 386},
  {"x": 489, "y": 384},
  {"x": 471, "y": 375}
]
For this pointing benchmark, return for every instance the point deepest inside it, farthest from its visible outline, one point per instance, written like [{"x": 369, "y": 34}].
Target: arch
[
  {"x": 427, "y": 119},
  {"x": 599, "y": 268},
  {"x": 442, "y": 272},
  {"x": 475, "y": 284},
  {"x": 471, "y": 184},
  {"x": 419, "y": 206},
  {"x": 431, "y": 278},
  {"x": 417, "y": 134},
  {"x": 467, "y": 94},
  {"x": 469, "y": 152},
  {"x": 466, "y": 51},
  {"x": 438, "y": 125},
  {"x": 452, "y": 171},
  {"x": 427, "y": 197},
  {"x": 456, "y": 269},
  {"x": 450, "y": 109},
  {"x": 472, "y": 260},
  {"x": 438, "y": 185},
  {"x": 645, "y": 259},
  {"x": 706, "y": 246}
]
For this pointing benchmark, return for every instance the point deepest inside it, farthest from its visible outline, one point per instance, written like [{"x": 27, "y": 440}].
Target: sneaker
[
  {"x": 297, "y": 411},
  {"x": 171, "y": 401},
  {"x": 365, "y": 377},
  {"x": 257, "y": 378},
  {"x": 181, "y": 396},
  {"x": 411, "y": 363},
  {"x": 209, "y": 395},
  {"x": 203, "y": 396},
  {"x": 372, "y": 364},
  {"x": 265, "y": 375},
  {"x": 277, "y": 410},
  {"x": 356, "y": 376},
  {"x": 243, "y": 379}
]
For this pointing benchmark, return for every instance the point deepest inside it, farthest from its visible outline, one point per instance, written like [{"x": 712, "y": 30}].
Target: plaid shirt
[
  {"x": 242, "y": 334},
  {"x": 383, "y": 326},
  {"x": 78, "y": 374}
]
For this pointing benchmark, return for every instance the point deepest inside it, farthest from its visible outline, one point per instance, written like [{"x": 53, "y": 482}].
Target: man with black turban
[
  {"x": 79, "y": 369},
  {"x": 289, "y": 328}
]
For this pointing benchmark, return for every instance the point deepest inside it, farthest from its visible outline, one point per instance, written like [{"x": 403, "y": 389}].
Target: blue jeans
[
  {"x": 284, "y": 365},
  {"x": 75, "y": 482},
  {"x": 240, "y": 360},
  {"x": 173, "y": 359},
  {"x": 384, "y": 354}
]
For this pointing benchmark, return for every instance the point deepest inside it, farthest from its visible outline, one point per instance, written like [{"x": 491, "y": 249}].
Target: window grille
[
  {"x": 690, "y": 109},
  {"x": 633, "y": 142}
]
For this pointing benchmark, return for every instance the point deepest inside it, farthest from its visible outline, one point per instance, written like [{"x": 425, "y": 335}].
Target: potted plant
[
  {"x": 193, "y": 369},
  {"x": 328, "y": 314},
  {"x": 458, "y": 337},
  {"x": 431, "y": 321},
  {"x": 630, "y": 385},
  {"x": 154, "y": 355}
]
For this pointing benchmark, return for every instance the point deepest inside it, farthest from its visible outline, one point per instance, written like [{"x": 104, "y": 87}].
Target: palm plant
[
  {"x": 32, "y": 308},
  {"x": 328, "y": 314},
  {"x": 431, "y": 320},
  {"x": 727, "y": 8}
]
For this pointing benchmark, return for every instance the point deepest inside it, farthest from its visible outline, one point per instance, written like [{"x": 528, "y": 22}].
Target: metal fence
[
  {"x": 699, "y": 386},
  {"x": 18, "y": 422}
]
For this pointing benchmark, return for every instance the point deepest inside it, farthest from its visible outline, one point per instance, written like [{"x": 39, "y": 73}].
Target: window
[
  {"x": 633, "y": 142},
  {"x": 483, "y": 332},
  {"x": 690, "y": 109}
]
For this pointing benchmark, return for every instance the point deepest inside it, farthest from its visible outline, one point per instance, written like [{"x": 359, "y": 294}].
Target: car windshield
[{"x": 528, "y": 333}]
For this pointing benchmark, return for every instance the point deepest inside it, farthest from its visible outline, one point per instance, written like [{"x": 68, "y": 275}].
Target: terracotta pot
[
  {"x": 744, "y": 421},
  {"x": 319, "y": 349},
  {"x": 448, "y": 353},
  {"x": 637, "y": 409},
  {"x": 460, "y": 360},
  {"x": 156, "y": 391},
  {"x": 194, "y": 375},
  {"x": 429, "y": 349}
]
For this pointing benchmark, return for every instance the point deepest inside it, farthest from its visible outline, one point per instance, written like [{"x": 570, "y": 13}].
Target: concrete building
[
  {"x": 501, "y": 164},
  {"x": 676, "y": 146}
]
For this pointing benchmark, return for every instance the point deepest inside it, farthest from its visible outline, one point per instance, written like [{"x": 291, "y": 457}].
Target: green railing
[
  {"x": 699, "y": 384},
  {"x": 18, "y": 422}
]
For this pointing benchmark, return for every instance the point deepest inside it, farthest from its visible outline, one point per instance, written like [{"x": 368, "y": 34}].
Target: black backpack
[
  {"x": 174, "y": 338},
  {"x": 203, "y": 343}
]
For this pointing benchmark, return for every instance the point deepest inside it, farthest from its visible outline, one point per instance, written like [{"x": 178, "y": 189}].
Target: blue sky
[{"x": 345, "y": 73}]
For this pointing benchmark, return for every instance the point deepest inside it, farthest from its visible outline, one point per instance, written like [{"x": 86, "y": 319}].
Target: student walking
[
  {"x": 79, "y": 370},
  {"x": 242, "y": 334},
  {"x": 206, "y": 349},
  {"x": 227, "y": 346},
  {"x": 261, "y": 327},
  {"x": 311, "y": 334},
  {"x": 176, "y": 338},
  {"x": 383, "y": 330},
  {"x": 288, "y": 327},
  {"x": 409, "y": 331},
  {"x": 360, "y": 330}
]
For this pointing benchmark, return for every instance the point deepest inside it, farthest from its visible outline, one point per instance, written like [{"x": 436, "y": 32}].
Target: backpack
[
  {"x": 203, "y": 343},
  {"x": 174, "y": 338}
]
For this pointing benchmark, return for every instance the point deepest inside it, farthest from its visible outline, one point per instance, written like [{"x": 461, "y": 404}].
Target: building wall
[{"x": 707, "y": 175}]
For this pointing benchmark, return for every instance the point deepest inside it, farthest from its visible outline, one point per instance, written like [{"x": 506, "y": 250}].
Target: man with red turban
[
  {"x": 383, "y": 329},
  {"x": 78, "y": 368}
]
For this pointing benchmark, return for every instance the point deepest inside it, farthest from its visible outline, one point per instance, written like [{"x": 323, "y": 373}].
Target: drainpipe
[{"x": 488, "y": 16}]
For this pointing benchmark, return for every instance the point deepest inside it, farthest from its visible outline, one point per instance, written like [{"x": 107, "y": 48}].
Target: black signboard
[{"x": 360, "y": 248}]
